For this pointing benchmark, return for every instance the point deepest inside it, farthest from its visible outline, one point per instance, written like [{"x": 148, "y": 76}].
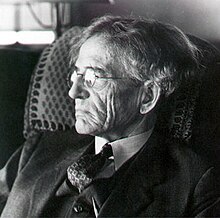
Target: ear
[{"x": 150, "y": 96}]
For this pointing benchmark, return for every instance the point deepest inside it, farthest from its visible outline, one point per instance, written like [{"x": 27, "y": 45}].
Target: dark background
[{"x": 198, "y": 17}]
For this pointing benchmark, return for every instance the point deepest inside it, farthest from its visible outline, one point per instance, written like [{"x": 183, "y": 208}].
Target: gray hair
[{"x": 146, "y": 49}]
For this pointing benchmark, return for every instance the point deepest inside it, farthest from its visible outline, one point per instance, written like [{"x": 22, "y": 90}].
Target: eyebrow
[{"x": 95, "y": 69}]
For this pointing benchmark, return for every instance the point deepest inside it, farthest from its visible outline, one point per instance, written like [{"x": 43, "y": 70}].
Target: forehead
[{"x": 93, "y": 52}]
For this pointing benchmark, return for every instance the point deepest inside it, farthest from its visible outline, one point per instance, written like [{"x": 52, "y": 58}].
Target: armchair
[
  {"x": 49, "y": 148},
  {"x": 190, "y": 115}
]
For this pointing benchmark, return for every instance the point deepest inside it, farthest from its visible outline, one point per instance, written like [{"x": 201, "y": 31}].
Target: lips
[{"x": 79, "y": 112}]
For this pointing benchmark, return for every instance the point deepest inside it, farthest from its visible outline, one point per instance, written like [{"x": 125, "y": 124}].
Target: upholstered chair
[
  {"x": 48, "y": 107},
  {"x": 190, "y": 115}
]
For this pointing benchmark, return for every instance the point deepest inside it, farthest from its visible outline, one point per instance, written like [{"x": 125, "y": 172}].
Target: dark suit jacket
[{"x": 163, "y": 179}]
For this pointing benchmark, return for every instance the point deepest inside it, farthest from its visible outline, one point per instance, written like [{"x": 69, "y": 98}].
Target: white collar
[{"x": 123, "y": 149}]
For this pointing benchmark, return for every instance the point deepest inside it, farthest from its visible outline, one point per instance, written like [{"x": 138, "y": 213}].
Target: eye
[
  {"x": 90, "y": 77},
  {"x": 71, "y": 77}
]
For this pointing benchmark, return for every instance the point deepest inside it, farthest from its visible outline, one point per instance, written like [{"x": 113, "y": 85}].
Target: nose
[{"x": 78, "y": 90}]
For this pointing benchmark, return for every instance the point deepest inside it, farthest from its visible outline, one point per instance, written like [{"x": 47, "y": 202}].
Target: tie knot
[
  {"x": 82, "y": 172},
  {"x": 106, "y": 150}
]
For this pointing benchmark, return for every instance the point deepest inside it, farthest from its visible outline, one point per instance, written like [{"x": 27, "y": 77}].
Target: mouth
[{"x": 81, "y": 113}]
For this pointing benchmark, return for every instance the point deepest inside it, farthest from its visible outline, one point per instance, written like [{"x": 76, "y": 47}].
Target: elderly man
[{"x": 124, "y": 71}]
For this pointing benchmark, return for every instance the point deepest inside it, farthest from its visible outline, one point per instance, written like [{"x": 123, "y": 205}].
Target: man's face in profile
[{"x": 103, "y": 105}]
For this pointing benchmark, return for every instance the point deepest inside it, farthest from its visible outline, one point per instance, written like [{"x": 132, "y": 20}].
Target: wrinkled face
[{"x": 110, "y": 105}]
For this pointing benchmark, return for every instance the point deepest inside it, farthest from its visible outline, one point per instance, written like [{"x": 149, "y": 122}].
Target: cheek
[
  {"x": 93, "y": 121},
  {"x": 126, "y": 106},
  {"x": 121, "y": 107},
  {"x": 103, "y": 107},
  {"x": 107, "y": 109}
]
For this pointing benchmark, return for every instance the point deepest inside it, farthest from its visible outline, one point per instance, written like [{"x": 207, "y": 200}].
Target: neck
[{"x": 140, "y": 125}]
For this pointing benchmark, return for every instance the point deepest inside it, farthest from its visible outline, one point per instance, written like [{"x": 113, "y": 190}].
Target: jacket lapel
[
  {"x": 51, "y": 180},
  {"x": 133, "y": 192},
  {"x": 63, "y": 188}
]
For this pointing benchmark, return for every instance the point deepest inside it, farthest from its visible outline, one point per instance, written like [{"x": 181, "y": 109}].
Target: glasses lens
[
  {"x": 89, "y": 77},
  {"x": 70, "y": 78}
]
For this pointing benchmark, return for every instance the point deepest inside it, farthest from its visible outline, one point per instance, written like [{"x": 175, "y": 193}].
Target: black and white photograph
[{"x": 109, "y": 108}]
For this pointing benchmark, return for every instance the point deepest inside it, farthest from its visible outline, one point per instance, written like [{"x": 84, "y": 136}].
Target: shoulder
[
  {"x": 49, "y": 146},
  {"x": 202, "y": 176},
  {"x": 198, "y": 175},
  {"x": 188, "y": 160},
  {"x": 194, "y": 176}
]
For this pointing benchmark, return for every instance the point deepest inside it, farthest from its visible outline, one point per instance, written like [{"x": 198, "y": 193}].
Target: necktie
[{"x": 81, "y": 173}]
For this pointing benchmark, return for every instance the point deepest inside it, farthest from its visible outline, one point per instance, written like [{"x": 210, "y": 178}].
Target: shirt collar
[{"x": 124, "y": 148}]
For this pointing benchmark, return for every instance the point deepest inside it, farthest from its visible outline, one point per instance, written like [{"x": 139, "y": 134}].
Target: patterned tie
[{"x": 82, "y": 172}]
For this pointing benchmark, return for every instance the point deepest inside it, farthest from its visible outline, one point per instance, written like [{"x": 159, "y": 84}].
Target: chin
[{"x": 83, "y": 127}]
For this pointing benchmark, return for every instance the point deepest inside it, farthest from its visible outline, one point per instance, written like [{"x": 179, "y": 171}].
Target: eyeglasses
[{"x": 89, "y": 77}]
